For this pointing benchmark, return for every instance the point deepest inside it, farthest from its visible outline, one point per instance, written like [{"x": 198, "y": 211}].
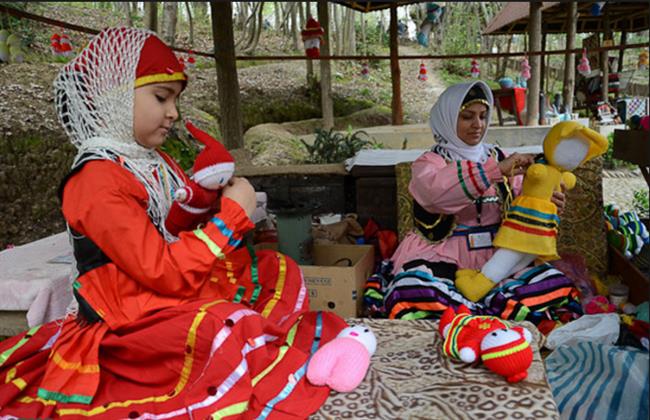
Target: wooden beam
[
  {"x": 568, "y": 86},
  {"x": 396, "y": 103},
  {"x": 227, "y": 82},
  {"x": 535, "y": 37},
  {"x": 327, "y": 105}
]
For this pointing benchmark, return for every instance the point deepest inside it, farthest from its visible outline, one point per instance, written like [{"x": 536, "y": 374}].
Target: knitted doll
[
  {"x": 194, "y": 202},
  {"x": 504, "y": 350},
  {"x": 342, "y": 363},
  {"x": 530, "y": 227}
]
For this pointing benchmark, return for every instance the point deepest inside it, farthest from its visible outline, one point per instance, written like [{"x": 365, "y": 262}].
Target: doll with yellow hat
[{"x": 530, "y": 227}]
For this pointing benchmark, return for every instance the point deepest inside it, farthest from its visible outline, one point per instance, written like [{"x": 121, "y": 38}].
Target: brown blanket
[{"x": 410, "y": 378}]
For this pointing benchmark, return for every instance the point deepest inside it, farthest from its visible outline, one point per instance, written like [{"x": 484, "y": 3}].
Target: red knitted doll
[
  {"x": 212, "y": 169},
  {"x": 503, "y": 349}
]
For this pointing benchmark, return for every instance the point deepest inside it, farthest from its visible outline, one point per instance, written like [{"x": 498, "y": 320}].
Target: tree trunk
[
  {"x": 200, "y": 9},
  {"x": 276, "y": 14},
  {"x": 542, "y": 71},
  {"x": 604, "y": 56},
  {"x": 337, "y": 29},
  {"x": 307, "y": 10},
  {"x": 504, "y": 63},
  {"x": 621, "y": 52},
  {"x": 294, "y": 25},
  {"x": 151, "y": 15},
  {"x": 191, "y": 23},
  {"x": 126, "y": 11},
  {"x": 535, "y": 35},
  {"x": 135, "y": 11},
  {"x": 352, "y": 34},
  {"x": 363, "y": 33},
  {"x": 568, "y": 85},
  {"x": 301, "y": 17},
  {"x": 170, "y": 16},
  {"x": 396, "y": 103},
  {"x": 327, "y": 105},
  {"x": 227, "y": 82}
]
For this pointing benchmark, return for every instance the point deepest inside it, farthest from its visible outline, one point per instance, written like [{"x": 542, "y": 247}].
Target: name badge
[{"x": 480, "y": 240}]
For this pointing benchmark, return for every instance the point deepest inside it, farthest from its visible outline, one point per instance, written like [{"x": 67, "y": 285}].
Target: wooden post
[
  {"x": 621, "y": 52},
  {"x": 327, "y": 105},
  {"x": 604, "y": 56},
  {"x": 396, "y": 103},
  {"x": 542, "y": 70},
  {"x": 227, "y": 82},
  {"x": 568, "y": 86},
  {"x": 535, "y": 36}
]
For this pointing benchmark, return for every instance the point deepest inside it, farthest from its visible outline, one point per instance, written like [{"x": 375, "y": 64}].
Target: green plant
[
  {"x": 334, "y": 147},
  {"x": 611, "y": 163},
  {"x": 641, "y": 203}
]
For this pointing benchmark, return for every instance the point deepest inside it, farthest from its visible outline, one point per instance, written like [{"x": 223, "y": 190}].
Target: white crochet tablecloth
[{"x": 35, "y": 277}]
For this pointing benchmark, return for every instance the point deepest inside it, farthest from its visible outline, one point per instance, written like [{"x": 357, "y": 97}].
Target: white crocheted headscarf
[
  {"x": 443, "y": 122},
  {"x": 94, "y": 100}
]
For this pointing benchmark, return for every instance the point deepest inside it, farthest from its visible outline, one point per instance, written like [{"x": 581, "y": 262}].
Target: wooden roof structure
[
  {"x": 371, "y": 6},
  {"x": 628, "y": 16}
]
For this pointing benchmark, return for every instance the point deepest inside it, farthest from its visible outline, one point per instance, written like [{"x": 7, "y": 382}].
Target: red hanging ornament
[
  {"x": 476, "y": 72},
  {"x": 191, "y": 61},
  {"x": 311, "y": 36},
  {"x": 525, "y": 69},
  {"x": 423, "y": 72},
  {"x": 55, "y": 44},
  {"x": 365, "y": 71},
  {"x": 66, "y": 46},
  {"x": 584, "y": 68}
]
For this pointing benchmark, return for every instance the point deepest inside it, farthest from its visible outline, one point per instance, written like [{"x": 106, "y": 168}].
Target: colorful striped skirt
[{"x": 424, "y": 290}]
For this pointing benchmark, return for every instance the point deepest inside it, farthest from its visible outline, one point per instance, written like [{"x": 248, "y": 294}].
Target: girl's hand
[
  {"x": 516, "y": 164},
  {"x": 241, "y": 191}
]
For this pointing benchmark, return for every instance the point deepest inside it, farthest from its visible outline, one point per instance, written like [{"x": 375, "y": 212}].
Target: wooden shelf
[{"x": 638, "y": 282}]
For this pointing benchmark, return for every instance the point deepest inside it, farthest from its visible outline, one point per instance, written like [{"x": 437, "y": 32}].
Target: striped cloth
[
  {"x": 599, "y": 381},
  {"x": 426, "y": 290}
]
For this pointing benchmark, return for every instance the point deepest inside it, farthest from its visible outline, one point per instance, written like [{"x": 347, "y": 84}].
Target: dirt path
[{"x": 417, "y": 96}]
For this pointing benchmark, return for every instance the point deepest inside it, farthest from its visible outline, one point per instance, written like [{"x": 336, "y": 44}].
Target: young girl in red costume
[{"x": 169, "y": 326}]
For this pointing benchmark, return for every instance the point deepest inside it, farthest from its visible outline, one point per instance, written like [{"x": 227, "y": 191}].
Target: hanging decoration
[
  {"x": 597, "y": 8},
  {"x": 423, "y": 72},
  {"x": 643, "y": 60},
  {"x": 55, "y": 44},
  {"x": 525, "y": 69},
  {"x": 312, "y": 36},
  {"x": 433, "y": 17},
  {"x": 66, "y": 46},
  {"x": 191, "y": 60},
  {"x": 476, "y": 72},
  {"x": 584, "y": 68},
  {"x": 365, "y": 70}
]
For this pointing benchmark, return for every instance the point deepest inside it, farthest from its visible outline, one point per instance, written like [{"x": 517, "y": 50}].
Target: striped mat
[{"x": 599, "y": 381}]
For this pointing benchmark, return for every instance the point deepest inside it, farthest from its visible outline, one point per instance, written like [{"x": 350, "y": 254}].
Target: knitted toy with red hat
[
  {"x": 195, "y": 202},
  {"x": 311, "y": 36},
  {"x": 503, "y": 349}
]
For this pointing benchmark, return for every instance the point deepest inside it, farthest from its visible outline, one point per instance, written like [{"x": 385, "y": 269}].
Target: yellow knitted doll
[{"x": 530, "y": 227}]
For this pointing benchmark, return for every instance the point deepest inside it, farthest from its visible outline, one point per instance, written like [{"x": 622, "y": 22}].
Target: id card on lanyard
[{"x": 479, "y": 240}]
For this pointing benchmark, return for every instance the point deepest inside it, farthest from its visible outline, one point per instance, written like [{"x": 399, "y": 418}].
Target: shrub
[{"x": 334, "y": 147}]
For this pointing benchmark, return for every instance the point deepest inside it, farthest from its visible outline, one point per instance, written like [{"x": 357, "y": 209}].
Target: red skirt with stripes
[{"x": 205, "y": 358}]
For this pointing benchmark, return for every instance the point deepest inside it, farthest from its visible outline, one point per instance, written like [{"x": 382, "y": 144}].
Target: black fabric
[
  {"x": 86, "y": 314},
  {"x": 439, "y": 269},
  {"x": 88, "y": 255},
  {"x": 474, "y": 93}
]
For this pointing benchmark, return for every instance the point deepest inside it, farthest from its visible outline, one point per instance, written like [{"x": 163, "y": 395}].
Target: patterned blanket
[{"x": 410, "y": 378}]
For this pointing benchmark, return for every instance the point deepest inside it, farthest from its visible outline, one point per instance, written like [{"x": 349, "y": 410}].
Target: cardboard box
[{"x": 336, "y": 280}]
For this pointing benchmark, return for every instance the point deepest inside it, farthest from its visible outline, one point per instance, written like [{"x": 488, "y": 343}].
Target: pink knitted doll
[{"x": 342, "y": 363}]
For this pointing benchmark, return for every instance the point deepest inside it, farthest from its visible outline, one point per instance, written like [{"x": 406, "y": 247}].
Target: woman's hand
[
  {"x": 516, "y": 164},
  {"x": 241, "y": 191},
  {"x": 559, "y": 199}
]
